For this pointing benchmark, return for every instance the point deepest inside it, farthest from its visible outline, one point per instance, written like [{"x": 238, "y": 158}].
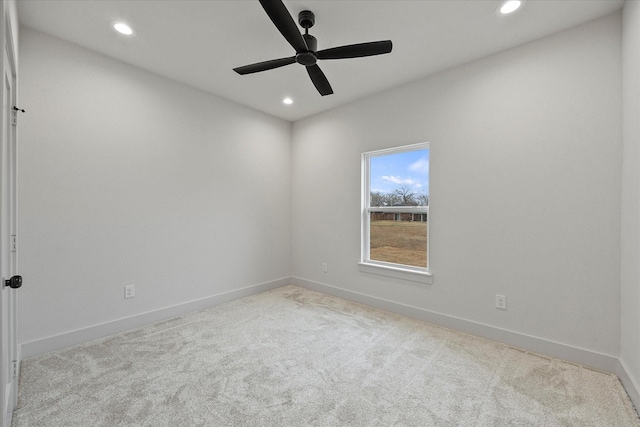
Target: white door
[{"x": 8, "y": 256}]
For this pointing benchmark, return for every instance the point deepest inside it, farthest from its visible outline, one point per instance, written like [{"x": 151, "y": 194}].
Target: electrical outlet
[
  {"x": 130, "y": 291},
  {"x": 325, "y": 267},
  {"x": 501, "y": 302}
]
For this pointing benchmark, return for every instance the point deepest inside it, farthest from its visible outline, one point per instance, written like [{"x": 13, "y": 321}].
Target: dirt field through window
[{"x": 400, "y": 242}]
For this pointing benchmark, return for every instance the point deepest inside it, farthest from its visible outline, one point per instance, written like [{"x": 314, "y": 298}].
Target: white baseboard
[
  {"x": 56, "y": 342},
  {"x": 629, "y": 383},
  {"x": 569, "y": 353}
]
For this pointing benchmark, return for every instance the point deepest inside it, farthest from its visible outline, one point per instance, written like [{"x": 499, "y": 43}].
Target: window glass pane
[
  {"x": 400, "y": 179},
  {"x": 399, "y": 238}
]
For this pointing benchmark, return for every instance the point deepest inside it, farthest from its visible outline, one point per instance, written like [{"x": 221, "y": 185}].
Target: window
[{"x": 395, "y": 212}]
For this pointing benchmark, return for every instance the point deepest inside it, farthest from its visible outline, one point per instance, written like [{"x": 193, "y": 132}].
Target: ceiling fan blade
[
  {"x": 264, "y": 66},
  {"x": 356, "y": 50},
  {"x": 280, "y": 16},
  {"x": 319, "y": 80}
]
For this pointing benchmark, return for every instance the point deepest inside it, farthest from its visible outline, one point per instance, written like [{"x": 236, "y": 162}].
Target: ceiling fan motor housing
[
  {"x": 308, "y": 58},
  {"x": 312, "y": 43}
]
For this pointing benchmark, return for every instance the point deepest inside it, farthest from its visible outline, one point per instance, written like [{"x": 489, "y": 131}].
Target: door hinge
[
  {"x": 14, "y": 243},
  {"x": 15, "y": 368}
]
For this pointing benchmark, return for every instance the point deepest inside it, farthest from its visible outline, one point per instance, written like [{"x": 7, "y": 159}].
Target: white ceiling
[{"x": 199, "y": 42}]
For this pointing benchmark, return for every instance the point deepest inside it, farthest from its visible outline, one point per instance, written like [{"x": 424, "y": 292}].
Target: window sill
[{"x": 396, "y": 272}]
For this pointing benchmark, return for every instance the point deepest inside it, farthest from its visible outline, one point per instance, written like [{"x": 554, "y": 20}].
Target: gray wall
[
  {"x": 630, "y": 257},
  {"x": 525, "y": 188},
  {"x": 130, "y": 178}
]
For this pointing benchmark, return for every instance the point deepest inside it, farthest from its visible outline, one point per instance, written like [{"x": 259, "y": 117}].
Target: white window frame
[{"x": 366, "y": 264}]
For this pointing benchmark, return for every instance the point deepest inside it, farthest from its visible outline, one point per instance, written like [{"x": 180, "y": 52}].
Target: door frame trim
[{"x": 10, "y": 67}]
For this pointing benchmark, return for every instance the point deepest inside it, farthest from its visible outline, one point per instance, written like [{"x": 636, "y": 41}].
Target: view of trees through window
[
  {"x": 398, "y": 200},
  {"x": 404, "y": 195}
]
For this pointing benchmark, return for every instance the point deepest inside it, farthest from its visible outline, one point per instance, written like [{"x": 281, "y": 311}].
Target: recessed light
[
  {"x": 287, "y": 101},
  {"x": 122, "y": 28},
  {"x": 510, "y": 6}
]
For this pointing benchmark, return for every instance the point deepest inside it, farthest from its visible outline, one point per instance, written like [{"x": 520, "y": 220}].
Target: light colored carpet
[{"x": 292, "y": 357}]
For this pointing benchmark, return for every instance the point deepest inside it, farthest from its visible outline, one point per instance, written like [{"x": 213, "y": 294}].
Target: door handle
[{"x": 14, "y": 283}]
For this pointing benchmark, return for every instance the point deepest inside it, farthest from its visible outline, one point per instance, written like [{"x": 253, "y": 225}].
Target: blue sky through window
[{"x": 389, "y": 172}]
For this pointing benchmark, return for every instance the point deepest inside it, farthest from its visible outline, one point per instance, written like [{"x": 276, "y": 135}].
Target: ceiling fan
[{"x": 306, "y": 46}]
